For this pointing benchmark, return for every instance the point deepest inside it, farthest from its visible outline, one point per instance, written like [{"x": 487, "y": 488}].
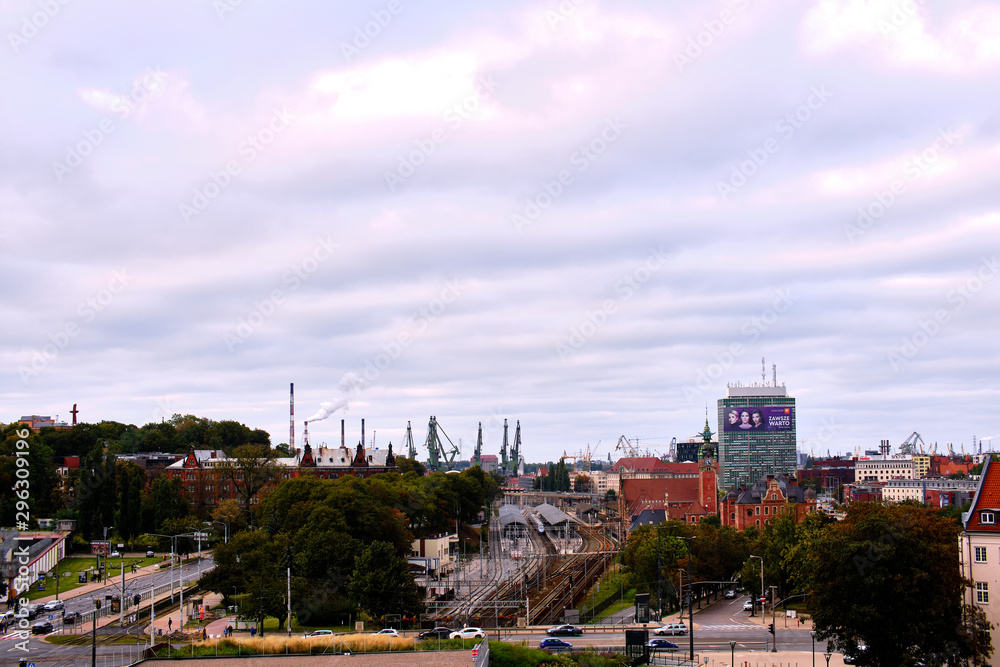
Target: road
[{"x": 41, "y": 652}]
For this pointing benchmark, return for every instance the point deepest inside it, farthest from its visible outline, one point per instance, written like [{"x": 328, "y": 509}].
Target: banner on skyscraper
[{"x": 750, "y": 418}]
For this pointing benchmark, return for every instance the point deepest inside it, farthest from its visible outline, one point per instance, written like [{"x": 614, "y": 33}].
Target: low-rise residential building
[
  {"x": 979, "y": 546},
  {"x": 435, "y": 553}
]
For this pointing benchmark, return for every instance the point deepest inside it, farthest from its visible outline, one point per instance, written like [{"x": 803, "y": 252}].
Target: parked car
[
  {"x": 853, "y": 659},
  {"x": 54, "y": 605},
  {"x": 730, "y": 594},
  {"x": 150, "y": 554},
  {"x": 34, "y": 610},
  {"x": 388, "y": 632},
  {"x": 71, "y": 618},
  {"x": 467, "y": 633},
  {"x": 116, "y": 554},
  {"x": 440, "y": 632},
  {"x": 661, "y": 643},
  {"x": 41, "y": 628},
  {"x": 319, "y": 633},
  {"x": 570, "y": 630},
  {"x": 748, "y": 605},
  {"x": 554, "y": 642},
  {"x": 672, "y": 629}
]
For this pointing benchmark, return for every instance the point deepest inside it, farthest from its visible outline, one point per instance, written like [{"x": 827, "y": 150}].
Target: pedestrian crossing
[{"x": 730, "y": 627}]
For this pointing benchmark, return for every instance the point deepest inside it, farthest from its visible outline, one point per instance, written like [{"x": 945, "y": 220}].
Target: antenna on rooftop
[
  {"x": 774, "y": 373},
  {"x": 763, "y": 372}
]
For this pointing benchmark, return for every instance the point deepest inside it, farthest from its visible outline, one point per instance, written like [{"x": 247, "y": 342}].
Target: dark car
[
  {"x": 661, "y": 643},
  {"x": 71, "y": 618},
  {"x": 34, "y": 610},
  {"x": 436, "y": 633},
  {"x": 569, "y": 630},
  {"x": 554, "y": 642},
  {"x": 41, "y": 628}
]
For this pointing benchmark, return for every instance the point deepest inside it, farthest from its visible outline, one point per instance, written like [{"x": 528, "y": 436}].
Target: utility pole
[
  {"x": 774, "y": 628},
  {"x": 289, "y": 600},
  {"x": 121, "y": 601}
]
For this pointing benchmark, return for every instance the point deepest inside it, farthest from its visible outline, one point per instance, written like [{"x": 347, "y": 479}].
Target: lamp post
[
  {"x": 774, "y": 627},
  {"x": 687, "y": 546},
  {"x": 813, "y": 633},
  {"x": 93, "y": 639},
  {"x": 172, "y": 539},
  {"x": 827, "y": 656},
  {"x": 762, "y": 619},
  {"x": 732, "y": 653},
  {"x": 226, "y": 526}
]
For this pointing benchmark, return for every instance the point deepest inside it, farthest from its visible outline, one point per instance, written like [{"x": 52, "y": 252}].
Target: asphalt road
[{"x": 41, "y": 652}]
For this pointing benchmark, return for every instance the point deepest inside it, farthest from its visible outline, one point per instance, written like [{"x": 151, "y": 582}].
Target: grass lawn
[{"x": 72, "y": 566}]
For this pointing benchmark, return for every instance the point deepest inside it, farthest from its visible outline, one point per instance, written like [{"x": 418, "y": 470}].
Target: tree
[
  {"x": 888, "y": 577},
  {"x": 582, "y": 484},
  {"x": 381, "y": 582},
  {"x": 610, "y": 496},
  {"x": 250, "y": 469}
]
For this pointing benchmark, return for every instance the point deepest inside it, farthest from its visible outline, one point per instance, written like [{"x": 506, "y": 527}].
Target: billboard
[
  {"x": 100, "y": 548},
  {"x": 764, "y": 418}
]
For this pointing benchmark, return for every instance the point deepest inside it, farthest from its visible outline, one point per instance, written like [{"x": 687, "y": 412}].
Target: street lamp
[
  {"x": 226, "y": 525},
  {"x": 827, "y": 656},
  {"x": 762, "y": 619},
  {"x": 687, "y": 546},
  {"x": 813, "y": 633},
  {"x": 732, "y": 653}
]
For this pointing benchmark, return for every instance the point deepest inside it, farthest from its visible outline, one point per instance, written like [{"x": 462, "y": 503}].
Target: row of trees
[
  {"x": 346, "y": 542},
  {"x": 887, "y": 576}
]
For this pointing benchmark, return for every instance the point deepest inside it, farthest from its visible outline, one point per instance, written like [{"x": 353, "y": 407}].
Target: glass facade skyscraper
[{"x": 756, "y": 434}]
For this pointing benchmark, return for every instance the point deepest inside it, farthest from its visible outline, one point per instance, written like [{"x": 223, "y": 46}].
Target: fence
[{"x": 481, "y": 654}]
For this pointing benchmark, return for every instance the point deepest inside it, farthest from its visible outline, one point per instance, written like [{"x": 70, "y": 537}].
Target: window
[
  {"x": 766, "y": 510},
  {"x": 982, "y": 592},
  {"x": 987, "y": 517},
  {"x": 980, "y": 554},
  {"x": 758, "y": 509}
]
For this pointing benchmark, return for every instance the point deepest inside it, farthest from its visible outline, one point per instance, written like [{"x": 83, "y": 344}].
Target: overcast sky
[{"x": 587, "y": 216}]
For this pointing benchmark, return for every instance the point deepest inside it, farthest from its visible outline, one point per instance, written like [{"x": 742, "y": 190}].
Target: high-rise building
[{"x": 756, "y": 433}]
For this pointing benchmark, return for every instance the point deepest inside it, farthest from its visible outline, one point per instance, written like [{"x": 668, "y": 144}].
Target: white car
[
  {"x": 319, "y": 633},
  {"x": 672, "y": 629},
  {"x": 53, "y": 605},
  {"x": 388, "y": 632},
  {"x": 116, "y": 554},
  {"x": 467, "y": 633}
]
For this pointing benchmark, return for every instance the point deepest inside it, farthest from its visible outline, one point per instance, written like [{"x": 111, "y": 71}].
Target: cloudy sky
[{"x": 586, "y": 216}]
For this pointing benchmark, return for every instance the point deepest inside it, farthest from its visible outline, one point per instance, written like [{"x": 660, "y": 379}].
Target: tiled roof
[{"x": 987, "y": 498}]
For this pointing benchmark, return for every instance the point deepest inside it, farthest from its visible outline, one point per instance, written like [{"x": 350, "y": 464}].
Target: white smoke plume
[{"x": 349, "y": 386}]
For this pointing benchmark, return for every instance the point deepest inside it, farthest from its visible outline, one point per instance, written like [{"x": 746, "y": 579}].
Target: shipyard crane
[
  {"x": 910, "y": 445},
  {"x": 515, "y": 451},
  {"x": 625, "y": 445},
  {"x": 477, "y": 456},
  {"x": 436, "y": 453},
  {"x": 411, "y": 449},
  {"x": 503, "y": 451}
]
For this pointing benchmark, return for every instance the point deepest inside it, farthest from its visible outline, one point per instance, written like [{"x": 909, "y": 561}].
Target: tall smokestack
[
  {"x": 362, "y": 432},
  {"x": 291, "y": 419},
  {"x": 343, "y": 442},
  {"x": 306, "y": 436}
]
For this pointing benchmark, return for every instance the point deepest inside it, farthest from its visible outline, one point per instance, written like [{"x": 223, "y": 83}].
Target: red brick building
[{"x": 766, "y": 500}]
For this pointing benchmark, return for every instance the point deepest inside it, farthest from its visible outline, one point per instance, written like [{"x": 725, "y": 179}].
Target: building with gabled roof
[
  {"x": 768, "y": 498},
  {"x": 979, "y": 549}
]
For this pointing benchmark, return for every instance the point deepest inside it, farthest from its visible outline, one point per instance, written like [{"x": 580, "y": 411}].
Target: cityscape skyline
[{"x": 589, "y": 217}]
